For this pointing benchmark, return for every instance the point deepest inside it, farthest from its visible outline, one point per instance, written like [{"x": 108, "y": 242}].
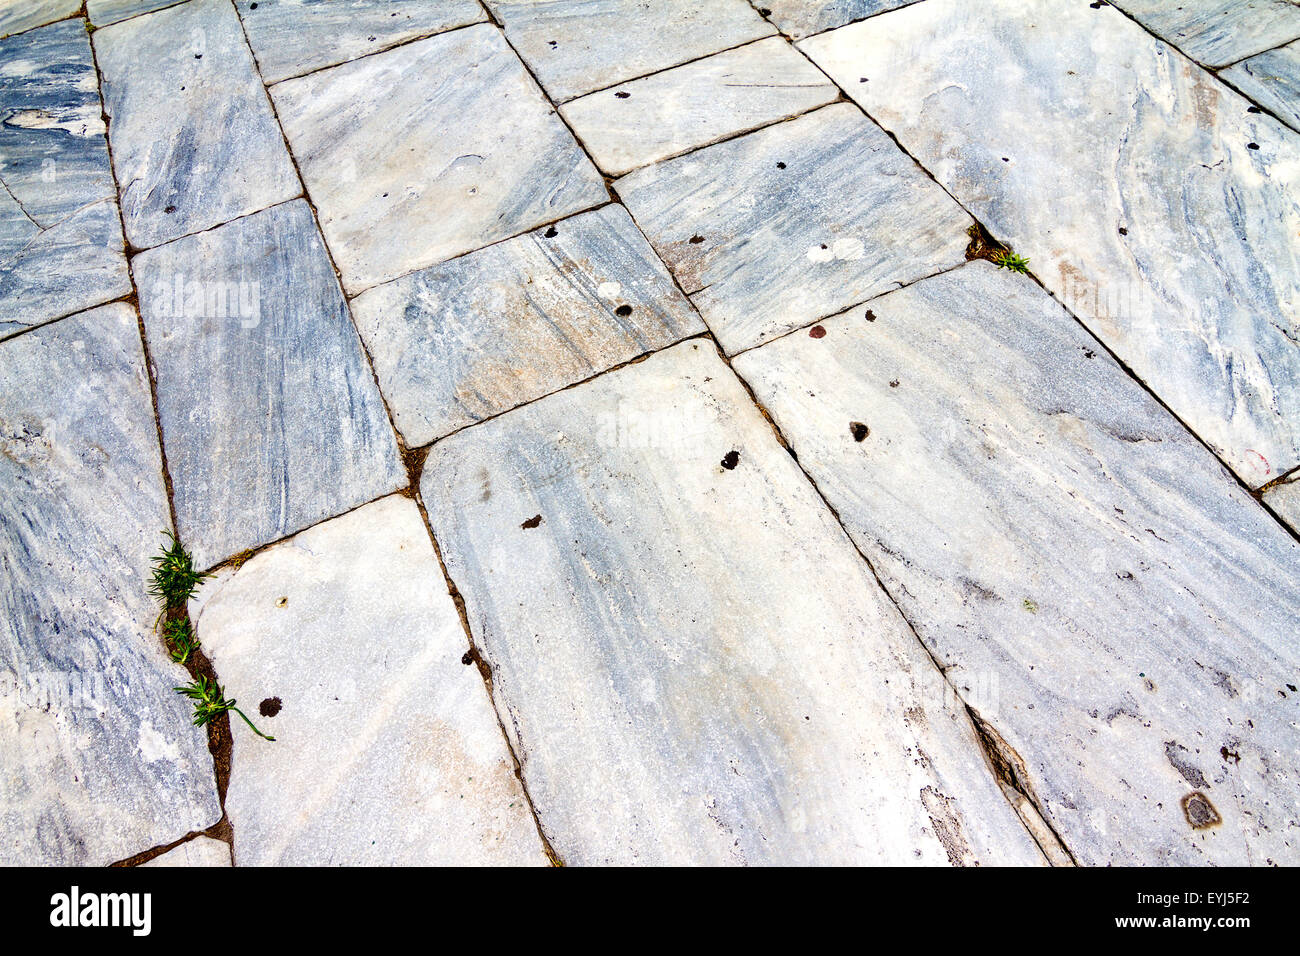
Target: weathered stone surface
[
  {"x": 697, "y": 104},
  {"x": 1144, "y": 194},
  {"x": 195, "y": 143},
  {"x": 1272, "y": 80},
  {"x": 1284, "y": 498},
  {"x": 19, "y": 15},
  {"x": 98, "y": 759},
  {"x": 696, "y": 665},
  {"x": 1043, "y": 522},
  {"x": 1219, "y": 32},
  {"x": 270, "y": 415},
  {"x": 60, "y": 239},
  {"x": 406, "y": 174},
  {"x": 801, "y": 18},
  {"x": 293, "y": 37},
  {"x": 779, "y": 228},
  {"x": 387, "y": 748},
  {"x": 577, "y": 46},
  {"x": 103, "y": 12},
  {"x": 201, "y": 851}
]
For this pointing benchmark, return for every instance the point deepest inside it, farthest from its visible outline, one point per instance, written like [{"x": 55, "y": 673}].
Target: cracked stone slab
[
  {"x": 406, "y": 175},
  {"x": 60, "y": 240},
  {"x": 1272, "y": 80},
  {"x": 1050, "y": 529},
  {"x": 1144, "y": 193},
  {"x": 802, "y": 18},
  {"x": 776, "y": 229},
  {"x": 1284, "y": 498},
  {"x": 19, "y": 15},
  {"x": 387, "y": 751},
  {"x": 577, "y": 46},
  {"x": 476, "y": 336},
  {"x": 294, "y": 37},
  {"x": 195, "y": 143},
  {"x": 693, "y": 663},
  {"x": 98, "y": 758},
  {"x": 270, "y": 415},
  {"x": 104, "y": 12},
  {"x": 1219, "y": 32},
  {"x": 697, "y": 104},
  {"x": 201, "y": 851}
]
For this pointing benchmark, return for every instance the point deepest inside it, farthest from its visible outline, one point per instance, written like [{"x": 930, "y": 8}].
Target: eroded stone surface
[
  {"x": 1218, "y": 32},
  {"x": 19, "y": 15},
  {"x": 1272, "y": 79},
  {"x": 1284, "y": 498},
  {"x": 201, "y": 851},
  {"x": 1051, "y": 531},
  {"x": 98, "y": 759},
  {"x": 801, "y": 18}
]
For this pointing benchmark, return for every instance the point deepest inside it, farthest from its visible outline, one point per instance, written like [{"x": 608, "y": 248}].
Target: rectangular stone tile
[
  {"x": 98, "y": 758},
  {"x": 779, "y": 228},
  {"x": 801, "y": 18},
  {"x": 1219, "y": 32},
  {"x": 270, "y": 415},
  {"x": 694, "y": 664},
  {"x": 1272, "y": 80},
  {"x": 1041, "y": 518},
  {"x": 195, "y": 143},
  {"x": 19, "y": 15},
  {"x": 102, "y": 12},
  {"x": 201, "y": 851},
  {"x": 1144, "y": 193},
  {"x": 697, "y": 104},
  {"x": 387, "y": 749},
  {"x": 60, "y": 238},
  {"x": 406, "y": 175},
  {"x": 577, "y": 46},
  {"x": 1284, "y": 498},
  {"x": 476, "y": 336}
]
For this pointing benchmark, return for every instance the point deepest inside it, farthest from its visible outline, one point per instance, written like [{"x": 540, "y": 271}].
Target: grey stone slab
[
  {"x": 19, "y": 15},
  {"x": 98, "y": 758},
  {"x": 781, "y": 227},
  {"x": 406, "y": 175},
  {"x": 1272, "y": 80},
  {"x": 1284, "y": 498},
  {"x": 195, "y": 143},
  {"x": 577, "y": 46},
  {"x": 1144, "y": 193},
  {"x": 697, "y": 104},
  {"x": 1044, "y": 522},
  {"x": 294, "y": 37},
  {"x": 387, "y": 751},
  {"x": 270, "y": 415},
  {"x": 693, "y": 663},
  {"x": 476, "y": 336},
  {"x": 60, "y": 238},
  {"x": 802, "y": 18},
  {"x": 1219, "y": 32},
  {"x": 103, "y": 12},
  {"x": 201, "y": 852}
]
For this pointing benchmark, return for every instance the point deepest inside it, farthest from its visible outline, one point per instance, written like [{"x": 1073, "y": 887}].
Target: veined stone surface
[
  {"x": 1045, "y": 524},
  {"x": 102, "y": 12},
  {"x": 779, "y": 228},
  {"x": 19, "y": 15},
  {"x": 801, "y": 18},
  {"x": 195, "y": 143},
  {"x": 98, "y": 758},
  {"x": 1284, "y": 498},
  {"x": 694, "y": 664},
  {"x": 406, "y": 174},
  {"x": 697, "y": 104},
  {"x": 1219, "y": 32},
  {"x": 577, "y": 46},
  {"x": 201, "y": 851},
  {"x": 270, "y": 415},
  {"x": 293, "y": 37},
  {"x": 1056, "y": 123},
  {"x": 467, "y": 339},
  {"x": 1272, "y": 79},
  {"x": 387, "y": 748},
  {"x": 60, "y": 240}
]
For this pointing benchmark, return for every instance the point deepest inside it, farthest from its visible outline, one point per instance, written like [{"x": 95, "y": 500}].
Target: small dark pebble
[
  {"x": 816, "y": 332},
  {"x": 858, "y": 430},
  {"x": 271, "y": 706},
  {"x": 532, "y": 522},
  {"x": 731, "y": 460}
]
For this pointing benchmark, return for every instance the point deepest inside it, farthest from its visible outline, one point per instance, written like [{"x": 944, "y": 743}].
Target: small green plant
[
  {"x": 1009, "y": 260},
  {"x": 181, "y": 640},
  {"x": 210, "y": 702},
  {"x": 174, "y": 578}
]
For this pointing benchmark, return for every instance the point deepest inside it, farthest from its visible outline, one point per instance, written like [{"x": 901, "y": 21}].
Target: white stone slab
[
  {"x": 801, "y": 18},
  {"x": 201, "y": 851},
  {"x": 19, "y": 15},
  {"x": 102, "y": 12},
  {"x": 1284, "y": 498},
  {"x": 1219, "y": 32},
  {"x": 1272, "y": 80},
  {"x": 1048, "y": 528}
]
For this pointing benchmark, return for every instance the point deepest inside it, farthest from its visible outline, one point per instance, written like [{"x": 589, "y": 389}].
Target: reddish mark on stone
[
  {"x": 817, "y": 332},
  {"x": 1268, "y": 469}
]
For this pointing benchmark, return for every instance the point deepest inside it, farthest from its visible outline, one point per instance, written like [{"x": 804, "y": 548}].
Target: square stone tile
[
  {"x": 270, "y": 415},
  {"x": 777, "y": 229},
  {"x": 802, "y": 18},
  {"x": 1219, "y": 32},
  {"x": 473, "y": 337},
  {"x": 406, "y": 174},
  {"x": 103, "y": 12},
  {"x": 1272, "y": 80},
  {"x": 19, "y": 15}
]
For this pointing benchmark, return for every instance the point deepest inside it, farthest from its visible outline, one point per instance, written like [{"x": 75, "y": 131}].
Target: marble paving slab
[
  {"x": 270, "y": 415},
  {"x": 697, "y": 104},
  {"x": 1144, "y": 193},
  {"x": 19, "y": 15},
  {"x": 1042, "y": 520},
  {"x": 473, "y": 337},
  {"x": 201, "y": 851},
  {"x": 795, "y": 222},
  {"x": 387, "y": 749},
  {"x": 1271, "y": 79},
  {"x": 1284, "y": 498},
  {"x": 1219, "y": 32},
  {"x": 104, "y": 12},
  {"x": 802, "y": 18},
  {"x": 577, "y": 46},
  {"x": 294, "y": 37},
  {"x": 406, "y": 175},
  {"x": 693, "y": 663},
  {"x": 98, "y": 759}
]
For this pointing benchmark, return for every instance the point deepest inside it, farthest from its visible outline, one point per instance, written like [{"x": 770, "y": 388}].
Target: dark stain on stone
[
  {"x": 270, "y": 707},
  {"x": 532, "y": 522},
  {"x": 893, "y": 383},
  {"x": 870, "y": 316},
  {"x": 1252, "y": 145},
  {"x": 859, "y": 431},
  {"x": 817, "y": 332},
  {"x": 1200, "y": 812},
  {"x": 622, "y": 94},
  {"x": 550, "y": 233},
  {"x": 731, "y": 460},
  {"x": 696, "y": 240},
  {"x": 1174, "y": 752},
  {"x": 1253, "y": 109},
  {"x": 623, "y": 311},
  {"x": 1229, "y": 756},
  {"x": 782, "y": 166}
]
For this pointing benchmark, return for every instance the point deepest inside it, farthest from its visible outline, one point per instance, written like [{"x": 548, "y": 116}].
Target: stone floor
[{"x": 611, "y": 444}]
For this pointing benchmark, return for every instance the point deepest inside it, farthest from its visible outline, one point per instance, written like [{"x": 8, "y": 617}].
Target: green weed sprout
[
  {"x": 174, "y": 579},
  {"x": 1009, "y": 260},
  {"x": 181, "y": 640},
  {"x": 210, "y": 702}
]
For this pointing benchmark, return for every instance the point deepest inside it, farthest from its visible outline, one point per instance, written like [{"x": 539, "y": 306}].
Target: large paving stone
[
  {"x": 98, "y": 759},
  {"x": 1219, "y": 32},
  {"x": 408, "y": 174},
  {"x": 476, "y": 336},
  {"x": 1041, "y": 518},
  {"x": 1145, "y": 195},
  {"x": 195, "y": 143},
  {"x": 779, "y": 228},
  {"x": 801, "y": 18},
  {"x": 387, "y": 751},
  {"x": 697, "y": 104},
  {"x": 60, "y": 238},
  {"x": 19, "y": 15},
  {"x": 695, "y": 664},
  {"x": 1284, "y": 498},
  {"x": 103, "y": 12},
  {"x": 1272, "y": 80},
  {"x": 201, "y": 851},
  {"x": 270, "y": 415}
]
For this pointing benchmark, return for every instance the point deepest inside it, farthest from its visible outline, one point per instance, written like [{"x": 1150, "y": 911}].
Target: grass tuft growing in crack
[
  {"x": 1009, "y": 260},
  {"x": 180, "y": 639},
  {"x": 210, "y": 702},
  {"x": 174, "y": 579}
]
